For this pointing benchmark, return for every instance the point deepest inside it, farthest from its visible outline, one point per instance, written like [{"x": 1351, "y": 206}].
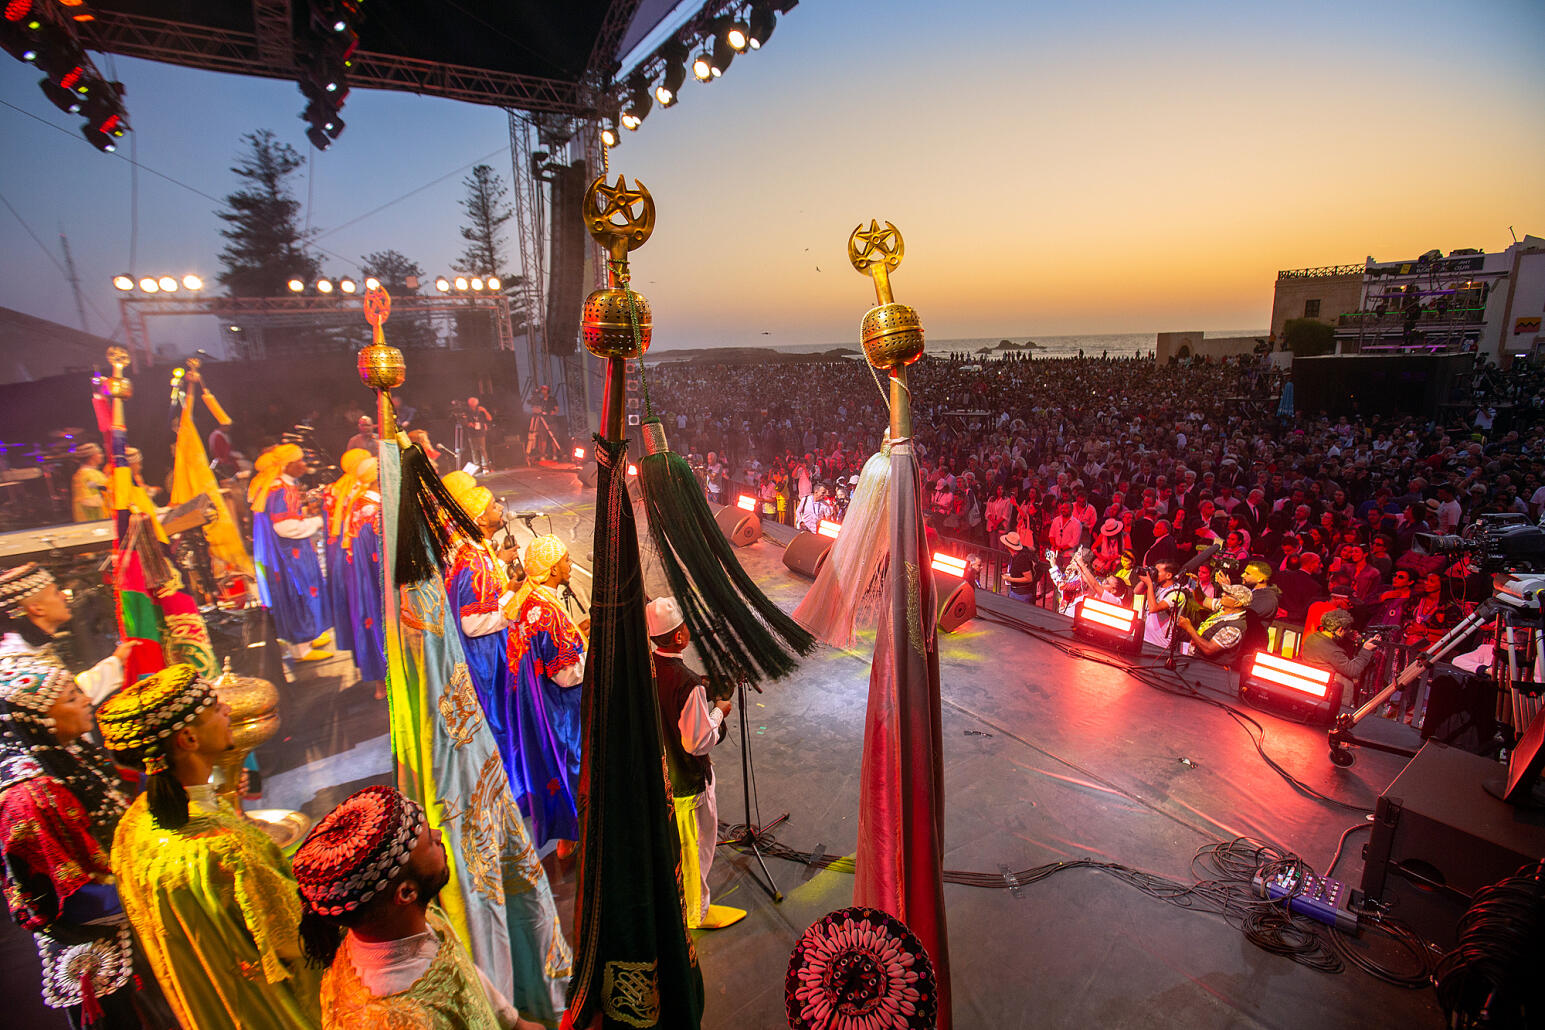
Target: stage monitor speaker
[
  {"x": 1438, "y": 837},
  {"x": 741, "y": 528},
  {"x": 566, "y": 261},
  {"x": 588, "y": 473},
  {"x": 957, "y": 602},
  {"x": 807, "y": 552},
  {"x": 1462, "y": 710}
]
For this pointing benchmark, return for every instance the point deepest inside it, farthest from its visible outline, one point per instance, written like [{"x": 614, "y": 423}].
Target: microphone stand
[{"x": 751, "y": 835}]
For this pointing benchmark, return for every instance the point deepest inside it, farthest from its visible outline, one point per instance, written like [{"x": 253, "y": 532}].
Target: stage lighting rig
[
  {"x": 640, "y": 99},
  {"x": 296, "y": 286},
  {"x": 66, "y": 100},
  {"x": 443, "y": 284},
  {"x": 674, "y": 54},
  {"x": 760, "y": 27},
  {"x": 702, "y": 67},
  {"x": 738, "y": 35},
  {"x": 123, "y": 282},
  {"x": 609, "y": 136},
  {"x": 723, "y": 50},
  {"x": 325, "y": 52}
]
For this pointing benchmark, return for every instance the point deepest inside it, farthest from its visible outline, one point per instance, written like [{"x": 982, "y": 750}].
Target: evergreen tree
[
  {"x": 410, "y": 330},
  {"x": 267, "y": 244},
  {"x": 487, "y": 212}
]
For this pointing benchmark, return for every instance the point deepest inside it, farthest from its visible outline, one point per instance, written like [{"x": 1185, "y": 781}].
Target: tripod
[{"x": 751, "y": 835}]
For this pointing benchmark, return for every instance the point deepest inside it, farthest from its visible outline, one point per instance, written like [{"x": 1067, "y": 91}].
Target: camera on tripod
[
  {"x": 1227, "y": 565},
  {"x": 1499, "y": 540}
]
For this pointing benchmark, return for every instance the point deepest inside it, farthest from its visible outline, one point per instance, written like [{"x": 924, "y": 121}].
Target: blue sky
[{"x": 1054, "y": 168}]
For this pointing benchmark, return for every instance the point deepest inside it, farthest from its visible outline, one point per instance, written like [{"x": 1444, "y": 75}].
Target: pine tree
[
  {"x": 487, "y": 211},
  {"x": 267, "y": 244},
  {"x": 410, "y": 330}
]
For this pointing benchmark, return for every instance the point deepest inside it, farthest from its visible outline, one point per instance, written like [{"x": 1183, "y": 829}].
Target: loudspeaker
[
  {"x": 587, "y": 473},
  {"x": 566, "y": 257},
  {"x": 740, "y": 527},
  {"x": 1438, "y": 837},
  {"x": 806, "y": 553},
  {"x": 1462, "y": 710},
  {"x": 957, "y": 604}
]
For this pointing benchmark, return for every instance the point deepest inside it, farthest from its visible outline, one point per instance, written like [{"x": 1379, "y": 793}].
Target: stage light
[
  {"x": 149, "y": 285},
  {"x": 949, "y": 565},
  {"x": 609, "y": 135},
  {"x": 739, "y": 522},
  {"x": 1303, "y": 690},
  {"x": 494, "y": 282},
  {"x": 318, "y": 138},
  {"x": 347, "y": 285},
  {"x": 702, "y": 67},
  {"x": 296, "y": 286},
  {"x": 640, "y": 99},
  {"x": 761, "y": 26},
  {"x": 167, "y": 284},
  {"x": 630, "y": 122},
  {"x": 1112, "y": 623},
  {"x": 66, "y": 100},
  {"x": 632, "y": 469},
  {"x": 123, "y": 282},
  {"x": 745, "y": 502},
  {"x": 461, "y": 282},
  {"x": 829, "y": 529},
  {"x": 723, "y": 52},
  {"x": 475, "y": 283},
  {"x": 665, "y": 95},
  {"x": 324, "y": 286},
  {"x": 738, "y": 36},
  {"x": 372, "y": 283},
  {"x": 579, "y": 454},
  {"x": 443, "y": 284},
  {"x": 192, "y": 282},
  {"x": 674, "y": 54}
]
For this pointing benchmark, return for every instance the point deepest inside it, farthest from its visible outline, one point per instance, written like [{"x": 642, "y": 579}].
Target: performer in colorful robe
[
  {"x": 547, "y": 653},
  {"x": 209, "y": 894},
  {"x": 369, "y": 875},
  {"x": 88, "y": 487},
  {"x": 289, "y": 577},
  {"x": 60, "y": 798},
  {"x": 478, "y": 589},
  {"x": 32, "y": 610},
  {"x": 337, "y": 500},
  {"x": 361, "y": 542}
]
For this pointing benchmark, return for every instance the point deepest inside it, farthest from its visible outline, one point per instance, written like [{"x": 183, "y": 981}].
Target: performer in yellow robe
[
  {"x": 369, "y": 875},
  {"x": 88, "y": 487},
  {"x": 209, "y": 895}
]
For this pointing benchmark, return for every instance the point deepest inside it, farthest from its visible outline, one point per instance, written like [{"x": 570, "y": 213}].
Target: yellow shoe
[
  {"x": 316, "y": 654},
  {"x": 720, "y": 916},
  {"x": 324, "y": 640}
]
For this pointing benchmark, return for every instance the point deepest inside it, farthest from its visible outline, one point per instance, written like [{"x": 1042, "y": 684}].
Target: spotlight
[
  {"x": 579, "y": 454},
  {"x": 745, "y": 502},
  {"x": 949, "y": 565},
  {"x": 461, "y": 282},
  {"x": 1303, "y": 690},
  {"x": 149, "y": 285},
  {"x": 167, "y": 284},
  {"x": 123, "y": 282},
  {"x": 828, "y": 528},
  {"x": 665, "y": 95},
  {"x": 702, "y": 67},
  {"x": 723, "y": 51},
  {"x": 674, "y": 54},
  {"x": 763, "y": 21},
  {"x": 347, "y": 285},
  {"x": 192, "y": 282},
  {"x": 738, "y": 36},
  {"x": 609, "y": 136},
  {"x": 318, "y": 138},
  {"x": 956, "y": 596},
  {"x": 475, "y": 283},
  {"x": 494, "y": 283},
  {"x": 630, "y": 121},
  {"x": 66, "y": 100},
  {"x": 442, "y": 284},
  {"x": 1108, "y": 623},
  {"x": 296, "y": 286},
  {"x": 372, "y": 283},
  {"x": 640, "y": 99},
  {"x": 324, "y": 286}
]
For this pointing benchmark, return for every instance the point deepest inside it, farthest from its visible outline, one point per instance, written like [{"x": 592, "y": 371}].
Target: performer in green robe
[
  {"x": 369, "y": 874},
  {"x": 209, "y": 895}
]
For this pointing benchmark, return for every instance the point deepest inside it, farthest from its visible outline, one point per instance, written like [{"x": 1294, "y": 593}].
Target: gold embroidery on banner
[
  {"x": 187, "y": 640},
  {"x": 487, "y": 821},
  {"x": 631, "y": 993},
  {"x": 560, "y": 960},
  {"x": 459, "y": 706},
  {"x": 428, "y": 600},
  {"x": 915, "y": 610}
]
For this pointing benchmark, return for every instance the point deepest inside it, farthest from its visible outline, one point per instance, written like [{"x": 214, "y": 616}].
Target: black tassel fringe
[{"x": 428, "y": 521}]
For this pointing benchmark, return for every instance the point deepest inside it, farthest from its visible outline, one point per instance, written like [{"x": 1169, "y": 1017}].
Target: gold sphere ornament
[
  {"x": 381, "y": 367},
  {"x": 607, "y": 325},
  {"x": 117, "y": 385},
  {"x": 892, "y": 335},
  {"x": 254, "y": 705}
]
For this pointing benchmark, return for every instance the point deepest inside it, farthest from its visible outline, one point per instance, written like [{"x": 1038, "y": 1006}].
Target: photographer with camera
[
  {"x": 477, "y": 421},
  {"x": 1264, "y": 598},
  {"x": 1327, "y": 649},
  {"x": 1164, "y": 591},
  {"x": 540, "y": 441}
]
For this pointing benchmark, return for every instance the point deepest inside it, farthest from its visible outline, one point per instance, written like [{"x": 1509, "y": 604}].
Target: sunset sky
[{"x": 1055, "y": 169}]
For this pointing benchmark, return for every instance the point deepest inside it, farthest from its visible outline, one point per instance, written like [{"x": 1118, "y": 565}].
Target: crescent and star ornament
[
  {"x": 876, "y": 246},
  {"x": 615, "y": 214}
]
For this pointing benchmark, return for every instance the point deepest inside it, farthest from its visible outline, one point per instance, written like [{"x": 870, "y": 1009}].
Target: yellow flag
[{"x": 191, "y": 476}]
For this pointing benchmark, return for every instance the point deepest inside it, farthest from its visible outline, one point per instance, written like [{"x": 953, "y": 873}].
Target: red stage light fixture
[
  {"x": 1108, "y": 623},
  {"x": 66, "y": 100},
  {"x": 1303, "y": 690},
  {"x": 579, "y": 454},
  {"x": 949, "y": 565},
  {"x": 828, "y": 528},
  {"x": 955, "y": 594},
  {"x": 745, "y": 502}
]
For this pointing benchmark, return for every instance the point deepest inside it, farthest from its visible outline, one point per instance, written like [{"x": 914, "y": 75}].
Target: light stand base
[{"x": 751, "y": 836}]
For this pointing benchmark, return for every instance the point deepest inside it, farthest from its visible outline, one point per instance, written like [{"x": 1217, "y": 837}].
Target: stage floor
[{"x": 1048, "y": 756}]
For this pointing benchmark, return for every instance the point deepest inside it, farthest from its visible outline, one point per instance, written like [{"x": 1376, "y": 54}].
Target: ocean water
[{"x": 1116, "y": 345}]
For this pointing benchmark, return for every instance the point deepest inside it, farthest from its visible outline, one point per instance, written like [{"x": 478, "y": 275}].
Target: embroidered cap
[
  {"x": 21, "y": 583},
  {"x": 33, "y": 687},
  {"x": 663, "y": 615},
  {"x": 142, "y": 715},
  {"x": 357, "y": 850}
]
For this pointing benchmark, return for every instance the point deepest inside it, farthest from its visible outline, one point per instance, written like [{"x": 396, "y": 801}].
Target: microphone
[{"x": 1200, "y": 559}]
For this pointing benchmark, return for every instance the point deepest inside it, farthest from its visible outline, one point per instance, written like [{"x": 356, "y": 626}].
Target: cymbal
[{"x": 67, "y": 433}]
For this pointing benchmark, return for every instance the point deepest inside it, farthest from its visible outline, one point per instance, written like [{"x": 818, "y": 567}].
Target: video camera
[
  {"x": 1227, "y": 565},
  {"x": 1501, "y": 541}
]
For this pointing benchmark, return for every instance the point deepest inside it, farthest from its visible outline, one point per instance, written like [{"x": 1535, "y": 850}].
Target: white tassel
[{"x": 862, "y": 551}]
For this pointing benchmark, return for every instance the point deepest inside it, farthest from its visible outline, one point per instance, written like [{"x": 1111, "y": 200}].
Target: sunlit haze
[{"x": 1054, "y": 168}]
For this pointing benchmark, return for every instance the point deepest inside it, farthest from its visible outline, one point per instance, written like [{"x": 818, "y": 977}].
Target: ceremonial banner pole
[
  {"x": 900, "y": 860},
  {"x": 498, "y": 898},
  {"x": 634, "y": 965}
]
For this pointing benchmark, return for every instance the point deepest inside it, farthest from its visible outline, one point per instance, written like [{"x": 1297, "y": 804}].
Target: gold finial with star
[
  {"x": 618, "y": 218},
  {"x": 892, "y": 333}
]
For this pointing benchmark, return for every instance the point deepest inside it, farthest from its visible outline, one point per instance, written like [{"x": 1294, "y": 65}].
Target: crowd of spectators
[{"x": 1132, "y": 463}]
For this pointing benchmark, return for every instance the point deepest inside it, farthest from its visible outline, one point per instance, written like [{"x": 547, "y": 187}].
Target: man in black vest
[{"x": 691, "y": 727}]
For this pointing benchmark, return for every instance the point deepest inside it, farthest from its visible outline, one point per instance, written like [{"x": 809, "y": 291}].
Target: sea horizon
[{"x": 1063, "y": 345}]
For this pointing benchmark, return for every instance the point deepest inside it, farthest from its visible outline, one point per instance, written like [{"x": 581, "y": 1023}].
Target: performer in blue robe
[
  {"x": 289, "y": 576},
  {"x": 547, "y": 652},
  {"x": 336, "y": 505},
  {"x": 361, "y": 542},
  {"x": 478, "y": 589}
]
